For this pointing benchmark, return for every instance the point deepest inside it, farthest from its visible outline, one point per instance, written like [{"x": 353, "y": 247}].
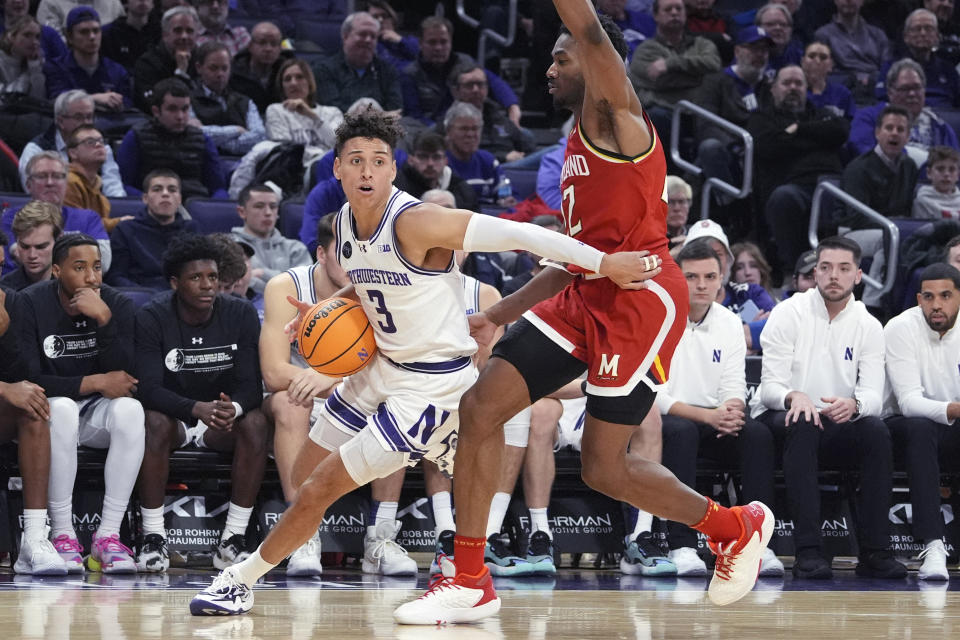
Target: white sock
[
  {"x": 386, "y": 512},
  {"x": 538, "y": 521},
  {"x": 498, "y": 511},
  {"x": 152, "y": 521},
  {"x": 252, "y": 569},
  {"x": 442, "y": 512},
  {"x": 34, "y": 524},
  {"x": 112, "y": 516},
  {"x": 644, "y": 523},
  {"x": 237, "y": 520},
  {"x": 61, "y": 518}
]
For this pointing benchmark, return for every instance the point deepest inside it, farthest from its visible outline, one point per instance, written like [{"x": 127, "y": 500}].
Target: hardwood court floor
[{"x": 578, "y": 604}]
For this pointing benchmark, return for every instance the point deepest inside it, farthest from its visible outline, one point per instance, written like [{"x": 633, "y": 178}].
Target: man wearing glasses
[
  {"x": 70, "y": 110},
  {"x": 426, "y": 168},
  {"x": 88, "y": 151},
  {"x": 921, "y": 42}
]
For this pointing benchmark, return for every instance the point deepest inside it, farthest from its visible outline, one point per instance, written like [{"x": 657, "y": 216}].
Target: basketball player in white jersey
[
  {"x": 295, "y": 385},
  {"x": 403, "y": 406}
]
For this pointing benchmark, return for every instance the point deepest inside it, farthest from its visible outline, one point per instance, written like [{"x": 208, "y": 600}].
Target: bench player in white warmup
[{"x": 402, "y": 407}]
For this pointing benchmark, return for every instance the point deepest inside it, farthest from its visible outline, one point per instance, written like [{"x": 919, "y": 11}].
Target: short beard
[
  {"x": 833, "y": 297},
  {"x": 950, "y": 322}
]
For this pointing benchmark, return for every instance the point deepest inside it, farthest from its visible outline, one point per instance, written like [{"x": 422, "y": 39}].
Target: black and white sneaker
[
  {"x": 230, "y": 551},
  {"x": 227, "y": 596},
  {"x": 152, "y": 556}
]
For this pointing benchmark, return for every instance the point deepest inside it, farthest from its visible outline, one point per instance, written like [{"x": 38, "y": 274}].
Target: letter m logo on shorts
[
  {"x": 608, "y": 367},
  {"x": 848, "y": 353}
]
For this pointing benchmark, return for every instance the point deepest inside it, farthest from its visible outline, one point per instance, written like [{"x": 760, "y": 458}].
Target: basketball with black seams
[{"x": 335, "y": 337}]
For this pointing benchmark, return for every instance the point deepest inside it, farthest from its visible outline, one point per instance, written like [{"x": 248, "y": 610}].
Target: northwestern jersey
[
  {"x": 417, "y": 314},
  {"x": 614, "y": 202},
  {"x": 471, "y": 294},
  {"x": 306, "y": 292}
]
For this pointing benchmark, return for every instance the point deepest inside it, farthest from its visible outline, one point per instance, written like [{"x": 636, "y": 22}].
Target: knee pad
[
  {"x": 516, "y": 431},
  {"x": 126, "y": 417},
  {"x": 64, "y": 420}
]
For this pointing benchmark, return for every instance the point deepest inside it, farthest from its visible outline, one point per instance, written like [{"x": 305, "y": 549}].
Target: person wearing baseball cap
[
  {"x": 803, "y": 278},
  {"x": 108, "y": 83},
  {"x": 56, "y": 12}
]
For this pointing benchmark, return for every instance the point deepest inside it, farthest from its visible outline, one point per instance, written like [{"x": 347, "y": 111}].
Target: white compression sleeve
[{"x": 487, "y": 233}]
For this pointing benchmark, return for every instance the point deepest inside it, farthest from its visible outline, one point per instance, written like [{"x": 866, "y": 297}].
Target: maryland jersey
[
  {"x": 306, "y": 292},
  {"x": 417, "y": 314},
  {"x": 614, "y": 202}
]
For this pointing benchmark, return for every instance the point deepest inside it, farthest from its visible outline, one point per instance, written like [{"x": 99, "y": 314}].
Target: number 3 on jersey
[
  {"x": 376, "y": 297},
  {"x": 567, "y": 210}
]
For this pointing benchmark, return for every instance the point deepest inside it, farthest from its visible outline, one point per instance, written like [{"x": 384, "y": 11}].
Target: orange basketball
[{"x": 335, "y": 337}]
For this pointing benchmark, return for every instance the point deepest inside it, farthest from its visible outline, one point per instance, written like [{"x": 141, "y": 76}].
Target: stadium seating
[
  {"x": 524, "y": 182},
  {"x": 12, "y": 200},
  {"x": 120, "y": 207},
  {"x": 139, "y": 295},
  {"x": 291, "y": 218},
  {"x": 212, "y": 216}
]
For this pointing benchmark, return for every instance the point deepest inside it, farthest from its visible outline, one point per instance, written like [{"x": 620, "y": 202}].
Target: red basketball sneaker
[
  {"x": 452, "y": 598},
  {"x": 738, "y": 561}
]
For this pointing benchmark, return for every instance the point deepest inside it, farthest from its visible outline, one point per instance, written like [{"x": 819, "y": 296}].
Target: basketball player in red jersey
[{"x": 614, "y": 198}]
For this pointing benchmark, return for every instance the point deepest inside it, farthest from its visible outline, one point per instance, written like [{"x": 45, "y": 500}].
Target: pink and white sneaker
[
  {"x": 109, "y": 555},
  {"x": 452, "y": 598},
  {"x": 69, "y": 549},
  {"x": 738, "y": 561}
]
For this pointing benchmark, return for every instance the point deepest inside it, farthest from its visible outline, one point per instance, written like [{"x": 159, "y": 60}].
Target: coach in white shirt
[
  {"x": 821, "y": 386},
  {"x": 703, "y": 404},
  {"x": 923, "y": 401}
]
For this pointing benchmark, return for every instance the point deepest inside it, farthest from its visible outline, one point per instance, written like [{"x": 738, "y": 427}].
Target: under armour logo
[
  {"x": 196, "y": 340},
  {"x": 80, "y": 324},
  {"x": 363, "y": 248}
]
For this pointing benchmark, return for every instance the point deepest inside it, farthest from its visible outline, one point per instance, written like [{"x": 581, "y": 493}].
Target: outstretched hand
[
  {"x": 630, "y": 269},
  {"x": 302, "y": 308},
  {"x": 482, "y": 329}
]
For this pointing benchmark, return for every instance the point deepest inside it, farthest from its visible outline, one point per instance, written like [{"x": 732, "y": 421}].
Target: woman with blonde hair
[
  {"x": 750, "y": 266},
  {"x": 21, "y": 63}
]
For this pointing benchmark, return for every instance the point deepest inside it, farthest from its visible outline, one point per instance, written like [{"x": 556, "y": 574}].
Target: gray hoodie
[{"x": 274, "y": 255}]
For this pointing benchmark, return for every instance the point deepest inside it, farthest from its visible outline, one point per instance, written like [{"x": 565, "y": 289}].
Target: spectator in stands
[
  {"x": 50, "y": 40},
  {"x": 823, "y": 369},
  {"x": 47, "y": 181},
  {"x": 952, "y": 251},
  {"x": 426, "y": 82},
  {"x": 138, "y": 244},
  {"x": 732, "y": 95},
  {"x": 526, "y": 270},
  {"x": 428, "y": 167},
  {"x": 750, "y": 266},
  {"x": 393, "y": 48},
  {"x": 255, "y": 69},
  {"x": 87, "y": 151},
  {"x": 87, "y": 379},
  {"x": 906, "y": 84},
  {"x": 949, "y": 28},
  {"x": 192, "y": 402},
  {"x": 36, "y": 226},
  {"x": 463, "y": 123},
  {"x": 24, "y": 418},
  {"x": 70, "y": 110},
  {"x": 168, "y": 141},
  {"x": 795, "y": 143},
  {"x": 859, "y": 49},
  {"x": 941, "y": 198},
  {"x": 293, "y": 384},
  {"x": 703, "y": 405},
  {"x": 803, "y": 276},
  {"x": 298, "y": 118},
  {"x": 777, "y": 21},
  {"x": 500, "y": 136},
  {"x": 679, "y": 197},
  {"x": 922, "y": 407},
  {"x": 214, "y": 28},
  {"x": 355, "y": 71},
  {"x": 231, "y": 263},
  {"x": 670, "y": 66},
  {"x": 229, "y": 118},
  {"x": 258, "y": 207},
  {"x": 822, "y": 93},
  {"x": 55, "y": 13},
  {"x": 85, "y": 68},
  {"x": 636, "y": 26},
  {"x": 172, "y": 56},
  {"x": 131, "y": 35},
  {"x": 21, "y": 65},
  {"x": 548, "y": 175},
  {"x": 920, "y": 40}
]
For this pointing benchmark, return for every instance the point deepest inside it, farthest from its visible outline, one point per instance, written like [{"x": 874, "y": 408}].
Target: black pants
[
  {"x": 684, "y": 440},
  {"x": 863, "y": 445},
  {"x": 926, "y": 445}
]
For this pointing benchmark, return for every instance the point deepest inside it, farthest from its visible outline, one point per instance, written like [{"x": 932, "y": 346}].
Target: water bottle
[{"x": 504, "y": 189}]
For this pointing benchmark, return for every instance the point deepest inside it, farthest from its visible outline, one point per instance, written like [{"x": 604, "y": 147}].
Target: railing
[
  {"x": 892, "y": 252},
  {"x": 737, "y": 192},
  {"x": 504, "y": 41}
]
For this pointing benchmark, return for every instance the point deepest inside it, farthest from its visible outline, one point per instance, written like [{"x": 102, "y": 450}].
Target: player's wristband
[{"x": 487, "y": 233}]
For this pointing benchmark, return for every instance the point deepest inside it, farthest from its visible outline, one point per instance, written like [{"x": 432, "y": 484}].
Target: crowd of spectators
[{"x": 168, "y": 101}]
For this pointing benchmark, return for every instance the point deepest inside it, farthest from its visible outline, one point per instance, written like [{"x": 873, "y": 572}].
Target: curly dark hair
[
  {"x": 231, "y": 259},
  {"x": 187, "y": 247},
  {"x": 369, "y": 123},
  {"x": 612, "y": 30}
]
